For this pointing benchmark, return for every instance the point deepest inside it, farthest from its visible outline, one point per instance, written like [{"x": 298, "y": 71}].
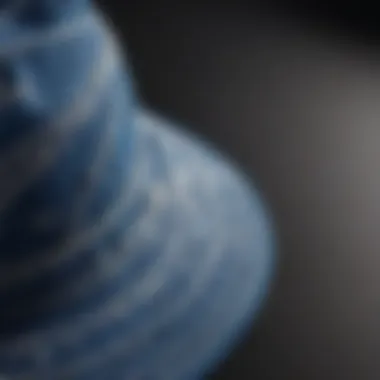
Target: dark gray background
[{"x": 296, "y": 101}]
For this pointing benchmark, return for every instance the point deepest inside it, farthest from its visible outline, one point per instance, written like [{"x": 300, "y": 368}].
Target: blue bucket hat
[{"x": 129, "y": 249}]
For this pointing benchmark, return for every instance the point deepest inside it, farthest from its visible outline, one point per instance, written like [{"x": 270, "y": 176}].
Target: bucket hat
[{"x": 129, "y": 248}]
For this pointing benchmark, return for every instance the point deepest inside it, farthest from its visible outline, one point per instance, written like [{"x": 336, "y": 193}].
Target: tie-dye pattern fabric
[{"x": 129, "y": 250}]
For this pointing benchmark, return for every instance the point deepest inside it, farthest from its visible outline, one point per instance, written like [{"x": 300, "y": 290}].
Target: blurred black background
[{"x": 292, "y": 92}]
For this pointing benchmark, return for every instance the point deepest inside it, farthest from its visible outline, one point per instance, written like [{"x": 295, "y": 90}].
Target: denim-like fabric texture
[{"x": 128, "y": 249}]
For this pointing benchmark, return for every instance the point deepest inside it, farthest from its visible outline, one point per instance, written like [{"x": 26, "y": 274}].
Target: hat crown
[{"x": 66, "y": 127}]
